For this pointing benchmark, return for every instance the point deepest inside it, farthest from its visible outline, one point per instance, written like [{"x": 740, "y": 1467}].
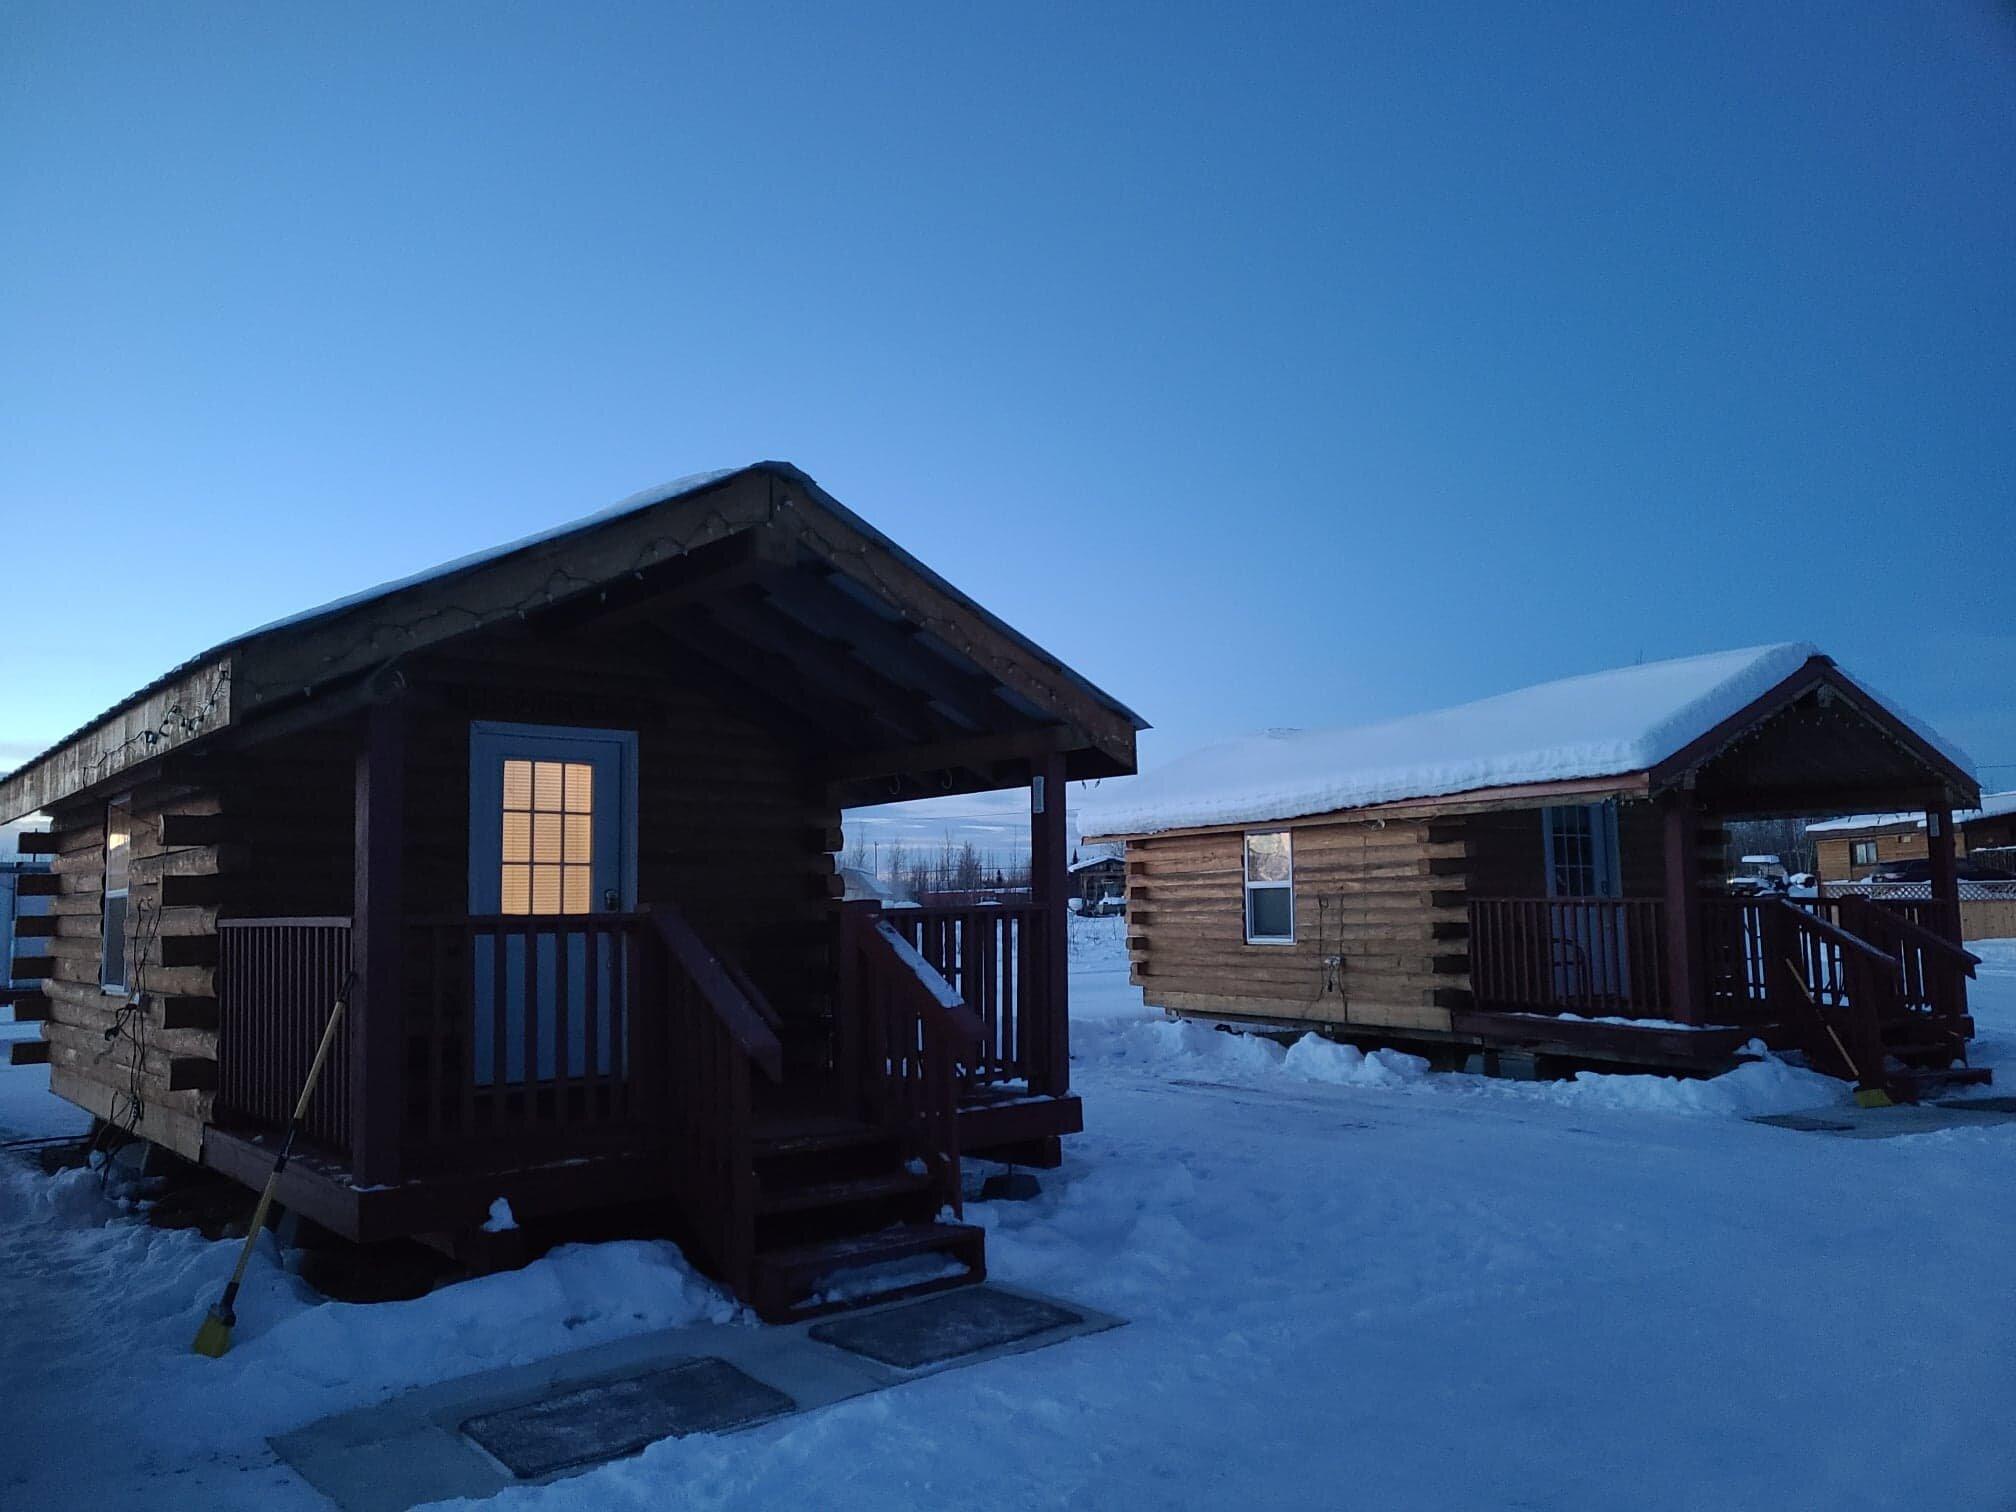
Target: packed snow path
[{"x": 1350, "y": 1286}]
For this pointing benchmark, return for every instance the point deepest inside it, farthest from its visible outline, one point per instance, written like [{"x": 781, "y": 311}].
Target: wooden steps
[
  {"x": 895, "y": 1184},
  {"x": 835, "y": 1196},
  {"x": 788, "y": 1282}
]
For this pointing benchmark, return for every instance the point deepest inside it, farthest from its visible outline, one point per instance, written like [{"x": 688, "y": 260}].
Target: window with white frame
[
  {"x": 118, "y": 872},
  {"x": 1270, "y": 888},
  {"x": 1861, "y": 852}
]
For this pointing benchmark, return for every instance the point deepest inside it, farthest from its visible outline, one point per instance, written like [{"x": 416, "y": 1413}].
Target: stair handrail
[
  {"x": 747, "y": 1024},
  {"x": 1831, "y": 932},
  {"x": 927, "y": 1106},
  {"x": 1910, "y": 931},
  {"x": 1864, "y": 966}
]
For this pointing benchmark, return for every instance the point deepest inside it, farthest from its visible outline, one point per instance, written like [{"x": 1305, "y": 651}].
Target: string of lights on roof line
[{"x": 177, "y": 724}]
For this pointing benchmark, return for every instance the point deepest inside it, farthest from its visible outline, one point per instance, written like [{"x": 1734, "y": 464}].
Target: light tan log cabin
[{"x": 1539, "y": 872}]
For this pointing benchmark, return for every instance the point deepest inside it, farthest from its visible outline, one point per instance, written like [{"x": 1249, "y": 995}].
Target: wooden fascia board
[
  {"x": 178, "y": 713},
  {"x": 1454, "y": 805}
]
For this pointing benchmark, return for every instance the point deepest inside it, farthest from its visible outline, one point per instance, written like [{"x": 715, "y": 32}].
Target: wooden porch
[
  {"x": 630, "y": 1065},
  {"x": 1873, "y": 990}
]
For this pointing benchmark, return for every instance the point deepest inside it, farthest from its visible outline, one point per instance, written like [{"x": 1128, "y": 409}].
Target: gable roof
[
  {"x": 1993, "y": 806},
  {"x": 1604, "y": 724},
  {"x": 295, "y": 657}
]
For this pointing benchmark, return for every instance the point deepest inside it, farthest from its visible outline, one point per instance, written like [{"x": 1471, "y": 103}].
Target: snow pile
[
  {"x": 1314, "y": 1058},
  {"x": 1599, "y": 725},
  {"x": 103, "y": 1391},
  {"x": 1180, "y": 1048}
]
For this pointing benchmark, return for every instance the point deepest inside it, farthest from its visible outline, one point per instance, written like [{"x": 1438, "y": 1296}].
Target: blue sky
[{"x": 1274, "y": 365}]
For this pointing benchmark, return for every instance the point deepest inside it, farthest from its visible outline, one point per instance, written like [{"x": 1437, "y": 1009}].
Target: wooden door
[
  {"x": 1591, "y": 962},
  {"x": 552, "y": 836}
]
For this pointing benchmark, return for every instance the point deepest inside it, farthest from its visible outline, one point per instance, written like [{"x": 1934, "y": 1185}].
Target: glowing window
[{"x": 549, "y": 837}]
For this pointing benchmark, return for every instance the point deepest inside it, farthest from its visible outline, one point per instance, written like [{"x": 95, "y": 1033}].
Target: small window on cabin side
[
  {"x": 118, "y": 875},
  {"x": 1861, "y": 852},
  {"x": 1270, "y": 888},
  {"x": 549, "y": 837}
]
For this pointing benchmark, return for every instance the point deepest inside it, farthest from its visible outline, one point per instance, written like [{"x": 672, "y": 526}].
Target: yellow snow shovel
[
  {"x": 1865, "y": 1097},
  {"x": 214, "y": 1337}
]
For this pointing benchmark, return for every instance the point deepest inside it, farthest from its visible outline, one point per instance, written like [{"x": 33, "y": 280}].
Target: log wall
[
  {"x": 1379, "y": 925},
  {"x": 1381, "y": 918},
  {"x": 732, "y": 825},
  {"x": 132, "y": 1078}
]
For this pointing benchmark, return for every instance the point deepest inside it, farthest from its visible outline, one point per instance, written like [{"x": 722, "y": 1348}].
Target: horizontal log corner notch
[
  {"x": 192, "y": 1073},
  {"x": 182, "y": 1012}
]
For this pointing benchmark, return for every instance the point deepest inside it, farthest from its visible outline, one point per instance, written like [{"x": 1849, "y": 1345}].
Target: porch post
[
  {"x": 377, "y": 1100},
  {"x": 1050, "y": 1055},
  {"x": 1945, "y": 871},
  {"x": 1686, "y": 988}
]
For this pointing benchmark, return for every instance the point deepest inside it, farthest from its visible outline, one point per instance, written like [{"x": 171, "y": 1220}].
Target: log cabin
[
  {"x": 1848, "y": 849},
  {"x": 1535, "y": 873},
  {"x": 560, "y": 819}
]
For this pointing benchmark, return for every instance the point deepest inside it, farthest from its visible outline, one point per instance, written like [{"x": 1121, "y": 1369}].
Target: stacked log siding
[
  {"x": 1379, "y": 924},
  {"x": 171, "y": 953}
]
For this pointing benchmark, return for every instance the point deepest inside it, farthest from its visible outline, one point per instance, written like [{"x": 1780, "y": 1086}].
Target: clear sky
[{"x": 1291, "y": 365}]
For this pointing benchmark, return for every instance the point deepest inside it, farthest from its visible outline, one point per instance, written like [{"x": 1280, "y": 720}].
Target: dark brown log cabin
[
  {"x": 563, "y": 817},
  {"x": 1567, "y": 905}
]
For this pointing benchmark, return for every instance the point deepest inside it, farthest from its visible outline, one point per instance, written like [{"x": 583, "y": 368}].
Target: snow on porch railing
[
  {"x": 1598, "y": 957},
  {"x": 992, "y": 956}
]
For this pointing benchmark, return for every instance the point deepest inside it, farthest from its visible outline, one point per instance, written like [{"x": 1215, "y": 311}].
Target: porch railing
[
  {"x": 276, "y": 982},
  {"x": 908, "y": 1042},
  {"x": 523, "y": 1037},
  {"x": 992, "y": 956},
  {"x": 1596, "y": 957}
]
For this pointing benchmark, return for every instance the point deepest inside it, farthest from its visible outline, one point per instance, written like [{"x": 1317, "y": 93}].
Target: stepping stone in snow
[
  {"x": 610, "y": 1419},
  {"x": 944, "y": 1327}
]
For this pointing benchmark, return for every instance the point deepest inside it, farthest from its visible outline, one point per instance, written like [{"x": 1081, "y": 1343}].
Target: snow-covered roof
[
  {"x": 1993, "y": 806},
  {"x": 213, "y": 660},
  {"x": 1085, "y": 862},
  {"x": 663, "y": 494},
  {"x": 1598, "y": 725}
]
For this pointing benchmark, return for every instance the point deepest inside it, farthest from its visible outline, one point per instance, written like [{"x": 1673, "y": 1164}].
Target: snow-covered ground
[{"x": 1351, "y": 1284}]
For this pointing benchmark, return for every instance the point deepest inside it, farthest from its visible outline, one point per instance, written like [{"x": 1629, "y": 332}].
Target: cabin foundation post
[
  {"x": 377, "y": 928},
  {"x": 1050, "y": 1056},
  {"x": 1686, "y": 980}
]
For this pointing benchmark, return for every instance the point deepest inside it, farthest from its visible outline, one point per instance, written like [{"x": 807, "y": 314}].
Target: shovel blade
[{"x": 213, "y": 1338}]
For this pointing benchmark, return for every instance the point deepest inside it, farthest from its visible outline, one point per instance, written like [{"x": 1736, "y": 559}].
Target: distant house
[
  {"x": 1852, "y": 847},
  {"x": 563, "y": 815},
  {"x": 1099, "y": 879},
  {"x": 26, "y": 888},
  {"x": 1539, "y": 871}
]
